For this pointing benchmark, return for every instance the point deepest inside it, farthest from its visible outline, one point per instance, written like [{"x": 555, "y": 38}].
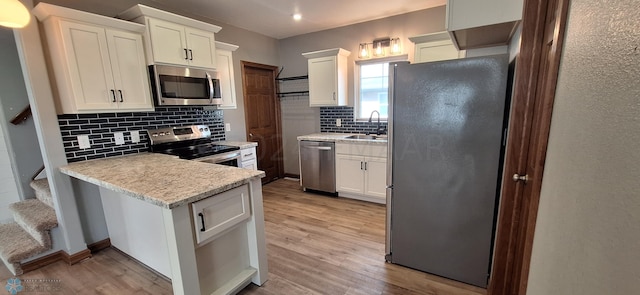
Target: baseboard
[
  {"x": 62, "y": 255},
  {"x": 41, "y": 262},
  {"x": 76, "y": 257},
  {"x": 290, "y": 175},
  {"x": 363, "y": 198},
  {"x": 99, "y": 245}
]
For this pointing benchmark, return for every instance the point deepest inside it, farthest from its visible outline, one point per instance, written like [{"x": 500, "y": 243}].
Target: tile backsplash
[
  {"x": 100, "y": 128},
  {"x": 328, "y": 116}
]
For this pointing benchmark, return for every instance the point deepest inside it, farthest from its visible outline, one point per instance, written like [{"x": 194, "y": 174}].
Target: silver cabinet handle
[
  {"x": 249, "y": 154},
  {"x": 211, "y": 91},
  {"x": 186, "y": 54},
  {"x": 113, "y": 94},
  {"x": 365, "y": 165},
  {"x": 361, "y": 165},
  {"x": 121, "y": 98},
  {"x": 322, "y": 148},
  {"x": 190, "y": 54}
]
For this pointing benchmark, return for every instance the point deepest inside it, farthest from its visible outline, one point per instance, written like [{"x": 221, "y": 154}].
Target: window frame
[{"x": 356, "y": 81}]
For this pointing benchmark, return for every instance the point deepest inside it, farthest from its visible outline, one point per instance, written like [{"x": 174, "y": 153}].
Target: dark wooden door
[
  {"x": 543, "y": 29},
  {"x": 262, "y": 116}
]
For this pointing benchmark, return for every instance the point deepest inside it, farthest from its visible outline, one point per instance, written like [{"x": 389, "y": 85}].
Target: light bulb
[
  {"x": 364, "y": 50},
  {"x": 13, "y": 14}
]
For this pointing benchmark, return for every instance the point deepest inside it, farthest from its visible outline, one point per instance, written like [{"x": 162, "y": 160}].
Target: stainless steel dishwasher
[{"x": 318, "y": 165}]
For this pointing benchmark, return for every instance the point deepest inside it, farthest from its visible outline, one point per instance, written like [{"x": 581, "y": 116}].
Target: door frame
[
  {"x": 278, "y": 114},
  {"x": 532, "y": 108}
]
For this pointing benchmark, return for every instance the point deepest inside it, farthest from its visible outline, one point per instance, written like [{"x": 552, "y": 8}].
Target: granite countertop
[
  {"x": 340, "y": 137},
  {"x": 240, "y": 144},
  {"x": 159, "y": 179}
]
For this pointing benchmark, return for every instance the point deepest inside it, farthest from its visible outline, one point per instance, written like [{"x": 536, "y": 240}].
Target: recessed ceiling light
[{"x": 297, "y": 16}]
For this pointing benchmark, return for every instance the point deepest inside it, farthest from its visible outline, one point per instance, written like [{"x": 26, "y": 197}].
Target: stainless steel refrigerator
[{"x": 446, "y": 132}]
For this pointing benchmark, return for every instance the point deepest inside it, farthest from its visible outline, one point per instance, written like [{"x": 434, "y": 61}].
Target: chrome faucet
[{"x": 378, "y": 129}]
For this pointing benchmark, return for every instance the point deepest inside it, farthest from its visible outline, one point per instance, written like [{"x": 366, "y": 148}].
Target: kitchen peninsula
[{"x": 199, "y": 224}]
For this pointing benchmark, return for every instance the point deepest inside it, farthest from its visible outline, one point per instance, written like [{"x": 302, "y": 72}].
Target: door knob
[
  {"x": 250, "y": 134},
  {"x": 517, "y": 177}
]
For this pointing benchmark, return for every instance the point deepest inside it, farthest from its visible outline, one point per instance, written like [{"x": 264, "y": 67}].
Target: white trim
[
  {"x": 147, "y": 11},
  {"x": 43, "y": 11},
  {"x": 393, "y": 58},
  {"x": 356, "y": 80}
]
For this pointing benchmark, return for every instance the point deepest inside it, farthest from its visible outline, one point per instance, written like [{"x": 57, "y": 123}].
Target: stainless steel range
[{"x": 192, "y": 143}]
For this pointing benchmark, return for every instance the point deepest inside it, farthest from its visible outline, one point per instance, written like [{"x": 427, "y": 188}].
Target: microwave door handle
[{"x": 210, "y": 80}]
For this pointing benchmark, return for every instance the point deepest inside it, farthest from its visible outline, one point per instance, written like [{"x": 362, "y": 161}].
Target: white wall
[
  {"x": 21, "y": 139},
  {"x": 8, "y": 187},
  {"x": 587, "y": 238}
]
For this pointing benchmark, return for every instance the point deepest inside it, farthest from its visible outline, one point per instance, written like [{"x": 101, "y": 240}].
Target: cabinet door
[
  {"x": 214, "y": 215},
  {"x": 202, "y": 48},
  {"x": 129, "y": 70},
  {"x": 350, "y": 174},
  {"x": 227, "y": 82},
  {"x": 168, "y": 42},
  {"x": 90, "y": 72},
  {"x": 376, "y": 178},
  {"x": 436, "y": 51},
  {"x": 323, "y": 77}
]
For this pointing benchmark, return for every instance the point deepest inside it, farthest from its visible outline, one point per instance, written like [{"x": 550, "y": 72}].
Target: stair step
[
  {"x": 17, "y": 245},
  {"x": 36, "y": 218},
  {"x": 43, "y": 192}
]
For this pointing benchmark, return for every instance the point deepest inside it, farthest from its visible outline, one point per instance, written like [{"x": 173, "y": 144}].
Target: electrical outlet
[
  {"x": 135, "y": 136},
  {"x": 339, "y": 122},
  {"x": 119, "y": 136},
  {"x": 227, "y": 127},
  {"x": 83, "y": 141}
]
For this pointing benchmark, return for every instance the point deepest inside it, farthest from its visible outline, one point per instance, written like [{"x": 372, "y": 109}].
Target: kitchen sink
[{"x": 364, "y": 136}]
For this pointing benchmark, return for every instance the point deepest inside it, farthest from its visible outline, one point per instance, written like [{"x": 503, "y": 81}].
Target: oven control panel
[{"x": 172, "y": 134}]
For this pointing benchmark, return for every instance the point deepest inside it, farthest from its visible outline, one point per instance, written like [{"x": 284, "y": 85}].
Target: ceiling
[{"x": 274, "y": 18}]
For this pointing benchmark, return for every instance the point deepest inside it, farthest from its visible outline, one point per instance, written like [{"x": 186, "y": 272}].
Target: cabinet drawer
[
  {"x": 247, "y": 154},
  {"x": 251, "y": 164},
  {"x": 218, "y": 213},
  {"x": 366, "y": 150}
]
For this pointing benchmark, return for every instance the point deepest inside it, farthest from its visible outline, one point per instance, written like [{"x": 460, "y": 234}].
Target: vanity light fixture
[
  {"x": 297, "y": 17},
  {"x": 380, "y": 47},
  {"x": 395, "y": 46},
  {"x": 13, "y": 14},
  {"x": 364, "y": 52}
]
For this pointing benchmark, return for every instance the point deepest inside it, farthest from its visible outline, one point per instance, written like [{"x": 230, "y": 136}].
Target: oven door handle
[
  {"x": 220, "y": 158},
  {"x": 211, "y": 90}
]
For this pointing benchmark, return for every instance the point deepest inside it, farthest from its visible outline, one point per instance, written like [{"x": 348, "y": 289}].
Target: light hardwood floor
[{"x": 316, "y": 244}]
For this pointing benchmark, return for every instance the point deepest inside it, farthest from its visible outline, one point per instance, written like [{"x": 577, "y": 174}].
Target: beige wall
[
  {"x": 298, "y": 119},
  {"x": 587, "y": 239}
]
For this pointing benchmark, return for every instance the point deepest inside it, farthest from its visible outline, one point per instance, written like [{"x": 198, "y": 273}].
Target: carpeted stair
[{"x": 30, "y": 234}]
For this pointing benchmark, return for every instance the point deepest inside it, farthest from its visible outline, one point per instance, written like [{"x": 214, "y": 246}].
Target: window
[{"x": 372, "y": 87}]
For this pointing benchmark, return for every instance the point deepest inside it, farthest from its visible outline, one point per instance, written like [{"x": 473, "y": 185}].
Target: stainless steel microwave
[{"x": 184, "y": 86}]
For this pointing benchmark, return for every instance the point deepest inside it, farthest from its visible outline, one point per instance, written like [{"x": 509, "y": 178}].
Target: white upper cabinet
[
  {"x": 98, "y": 62},
  {"x": 174, "y": 39},
  {"x": 434, "y": 47},
  {"x": 175, "y": 44},
  {"x": 225, "y": 72},
  {"x": 327, "y": 77},
  {"x": 477, "y": 24}
]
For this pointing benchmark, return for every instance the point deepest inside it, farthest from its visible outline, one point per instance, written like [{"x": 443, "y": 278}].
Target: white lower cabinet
[
  {"x": 248, "y": 159},
  {"x": 361, "y": 172},
  {"x": 213, "y": 216}
]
